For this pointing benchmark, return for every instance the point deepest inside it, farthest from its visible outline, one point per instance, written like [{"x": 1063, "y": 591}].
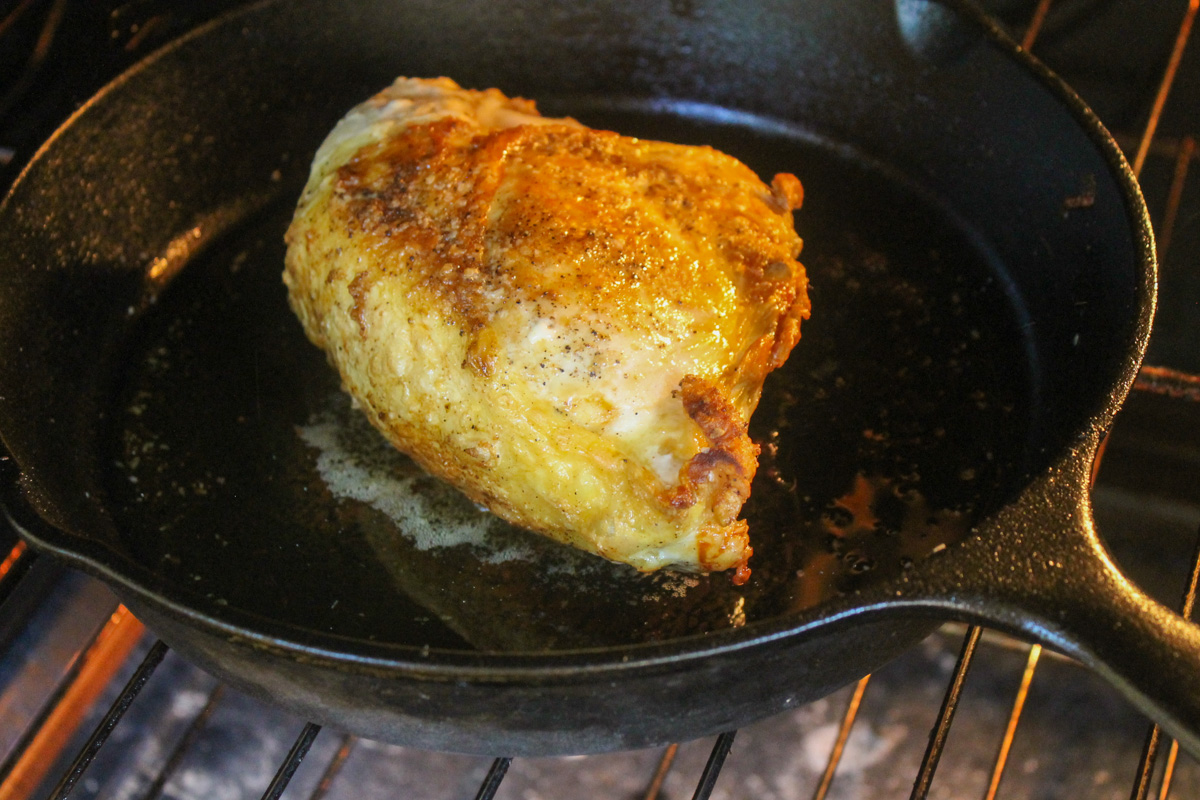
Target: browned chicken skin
[{"x": 571, "y": 326}]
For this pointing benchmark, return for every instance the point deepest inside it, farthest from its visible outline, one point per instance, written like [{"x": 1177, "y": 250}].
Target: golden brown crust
[
  {"x": 570, "y": 325},
  {"x": 720, "y": 474},
  {"x": 788, "y": 189},
  {"x": 714, "y": 545},
  {"x": 453, "y": 221}
]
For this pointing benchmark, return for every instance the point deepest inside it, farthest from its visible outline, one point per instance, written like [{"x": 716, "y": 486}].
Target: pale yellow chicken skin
[{"x": 571, "y": 326}]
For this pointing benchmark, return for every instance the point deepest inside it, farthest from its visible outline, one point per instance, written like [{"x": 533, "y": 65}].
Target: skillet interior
[
  {"x": 998, "y": 303},
  {"x": 232, "y": 445}
]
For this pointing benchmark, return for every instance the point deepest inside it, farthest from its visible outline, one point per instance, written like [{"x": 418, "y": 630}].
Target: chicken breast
[{"x": 571, "y": 326}]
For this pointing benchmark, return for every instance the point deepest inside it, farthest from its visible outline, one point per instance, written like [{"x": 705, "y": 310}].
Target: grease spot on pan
[{"x": 364, "y": 468}]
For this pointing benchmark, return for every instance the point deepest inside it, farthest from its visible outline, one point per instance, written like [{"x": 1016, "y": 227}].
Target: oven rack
[{"x": 25, "y": 579}]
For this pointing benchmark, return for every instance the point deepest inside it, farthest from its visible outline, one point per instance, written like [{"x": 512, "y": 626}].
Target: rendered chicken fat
[{"x": 571, "y": 326}]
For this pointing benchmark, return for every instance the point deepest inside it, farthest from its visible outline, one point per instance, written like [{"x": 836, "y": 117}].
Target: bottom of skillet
[
  {"x": 240, "y": 476},
  {"x": 572, "y": 710}
]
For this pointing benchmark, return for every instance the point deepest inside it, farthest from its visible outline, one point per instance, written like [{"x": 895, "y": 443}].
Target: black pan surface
[{"x": 982, "y": 278}]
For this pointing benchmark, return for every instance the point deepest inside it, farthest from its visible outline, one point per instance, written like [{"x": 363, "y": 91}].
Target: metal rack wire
[{"x": 112, "y": 643}]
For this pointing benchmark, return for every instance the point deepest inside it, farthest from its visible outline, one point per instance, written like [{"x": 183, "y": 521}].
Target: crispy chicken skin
[{"x": 571, "y": 326}]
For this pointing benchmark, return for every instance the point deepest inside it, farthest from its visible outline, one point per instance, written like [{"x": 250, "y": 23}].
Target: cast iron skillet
[{"x": 983, "y": 279}]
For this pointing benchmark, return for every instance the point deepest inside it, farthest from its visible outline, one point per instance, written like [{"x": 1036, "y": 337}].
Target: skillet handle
[{"x": 1040, "y": 570}]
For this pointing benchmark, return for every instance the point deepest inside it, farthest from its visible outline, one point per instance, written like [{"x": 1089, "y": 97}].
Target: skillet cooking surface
[{"x": 241, "y": 474}]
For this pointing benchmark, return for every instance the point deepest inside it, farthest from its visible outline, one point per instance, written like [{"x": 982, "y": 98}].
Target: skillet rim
[{"x": 239, "y": 626}]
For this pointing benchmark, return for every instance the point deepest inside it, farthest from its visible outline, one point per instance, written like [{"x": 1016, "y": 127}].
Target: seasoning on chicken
[{"x": 571, "y": 326}]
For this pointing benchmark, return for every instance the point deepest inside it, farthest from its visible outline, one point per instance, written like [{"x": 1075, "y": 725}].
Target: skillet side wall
[
  {"x": 203, "y": 127},
  {"x": 570, "y": 711}
]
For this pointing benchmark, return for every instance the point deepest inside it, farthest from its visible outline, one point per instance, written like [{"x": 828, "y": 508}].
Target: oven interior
[{"x": 969, "y": 712}]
